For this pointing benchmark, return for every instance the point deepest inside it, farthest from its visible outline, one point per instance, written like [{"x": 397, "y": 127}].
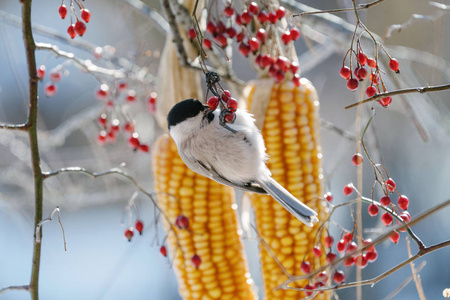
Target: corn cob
[
  {"x": 212, "y": 232},
  {"x": 291, "y": 134}
]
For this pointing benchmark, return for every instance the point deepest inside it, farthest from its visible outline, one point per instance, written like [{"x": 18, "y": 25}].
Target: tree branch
[
  {"x": 15, "y": 288},
  {"x": 359, "y": 7},
  {"x": 22, "y": 127},
  {"x": 420, "y": 90}
]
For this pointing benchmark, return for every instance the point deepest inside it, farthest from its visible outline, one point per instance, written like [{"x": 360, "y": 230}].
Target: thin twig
[
  {"x": 50, "y": 217},
  {"x": 414, "y": 272},
  {"x": 22, "y": 127},
  {"x": 421, "y": 90},
  {"x": 359, "y": 7},
  {"x": 405, "y": 283},
  {"x": 15, "y": 288}
]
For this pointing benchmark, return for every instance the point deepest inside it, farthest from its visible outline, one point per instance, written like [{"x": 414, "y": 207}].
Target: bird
[{"x": 231, "y": 154}]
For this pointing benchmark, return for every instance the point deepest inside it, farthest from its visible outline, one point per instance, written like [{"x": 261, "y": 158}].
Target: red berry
[
  {"x": 133, "y": 141},
  {"x": 328, "y": 196},
  {"x": 238, "y": 20},
  {"x": 102, "y": 120},
  {"x": 102, "y": 92},
  {"x": 345, "y": 72},
  {"x": 295, "y": 33},
  {"x": 286, "y": 37},
  {"x": 322, "y": 276},
  {"x": 62, "y": 11},
  {"x": 228, "y": 11},
  {"x": 152, "y": 98},
  {"x": 386, "y": 218},
  {"x": 129, "y": 127},
  {"x": 55, "y": 76},
  {"x": 253, "y": 8},
  {"x": 222, "y": 40},
  {"x": 246, "y": 17},
  {"x": 308, "y": 289},
  {"x": 244, "y": 49},
  {"x": 139, "y": 225},
  {"x": 85, "y": 15},
  {"x": 191, "y": 33},
  {"x": 330, "y": 257},
  {"x": 196, "y": 260},
  {"x": 272, "y": 17},
  {"x": 262, "y": 17},
  {"x": 348, "y": 237},
  {"x": 373, "y": 210},
  {"x": 350, "y": 261},
  {"x": 385, "y": 102},
  {"x": 340, "y": 246},
  {"x": 231, "y": 32},
  {"x": 71, "y": 31},
  {"x": 129, "y": 234},
  {"x": 385, "y": 201},
  {"x": 305, "y": 267},
  {"x": 115, "y": 125},
  {"x": 361, "y": 261},
  {"x": 370, "y": 91},
  {"x": 40, "y": 72},
  {"x": 352, "y": 246},
  {"x": 163, "y": 251},
  {"x": 367, "y": 242},
  {"x": 390, "y": 184},
  {"x": 122, "y": 86},
  {"x": 232, "y": 104},
  {"x": 394, "y": 65},
  {"x": 357, "y": 159},
  {"x": 226, "y": 95},
  {"x": 182, "y": 222},
  {"x": 405, "y": 216},
  {"x": 207, "y": 44},
  {"x": 394, "y": 237},
  {"x": 403, "y": 202},
  {"x": 281, "y": 12},
  {"x": 372, "y": 256},
  {"x": 294, "y": 67},
  {"x": 240, "y": 37},
  {"x": 213, "y": 102},
  {"x": 362, "y": 73},
  {"x": 296, "y": 80},
  {"x": 80, "y": 28},
  {"x": 352, "y": 84},
  {"x": 131, "y": 95},
  {"x": 261, "y": 35},
  {"x": 338, "y": 276},
  {"x": 279, "y": 76},
  {"x": 317, "y": 251},
  {"x": 266, "y": 60},
  {"x": 348, "y": 189},
  {"x": 230, "y": 117},
  {"x": 253, "y": 43},
  {"x": 50, "y": 89},
  {"x": 362, "y": 58},
  {"x": 111, "y": 136},
  {"x": 371, "y": 63},
  {"x": 210, "y": 27},
  {"x": 144, "y": 148},
  {"x": 374, "y": 78},
  {"x": 328, "y": 241},
  {"x": 101, "y": 137}
]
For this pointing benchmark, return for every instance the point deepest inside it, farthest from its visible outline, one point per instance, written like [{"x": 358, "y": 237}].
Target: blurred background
[{"x": 410, "y": 138}]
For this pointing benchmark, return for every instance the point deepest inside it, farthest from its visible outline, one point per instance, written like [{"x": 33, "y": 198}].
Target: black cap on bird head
[{"x": 184, "y": 110}]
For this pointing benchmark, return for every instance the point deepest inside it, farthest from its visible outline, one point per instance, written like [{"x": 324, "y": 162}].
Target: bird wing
[{"x": 214, "y": 175}]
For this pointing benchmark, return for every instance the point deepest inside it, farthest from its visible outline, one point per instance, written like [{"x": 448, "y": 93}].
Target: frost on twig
[
  {"x": 50, "y": 217},
  {"x": 443, "y": 10}
]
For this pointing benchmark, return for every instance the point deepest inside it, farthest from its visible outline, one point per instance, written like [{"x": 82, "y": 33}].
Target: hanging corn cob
[
  {"x": 209, "y": 232},
  {"x": 291, "y": 133}
]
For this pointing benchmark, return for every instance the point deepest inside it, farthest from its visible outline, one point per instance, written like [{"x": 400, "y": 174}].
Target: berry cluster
[
  {"x": 79, "y": 27},
  {"x": 228, "y": 102},
  {"x": 250, "y": 29},
  {"x": 109, "y": 118},
  {"x": 55, "y": 76},
  {"x": 129, "y": 232},
  {"x": 373, "y": 72}
]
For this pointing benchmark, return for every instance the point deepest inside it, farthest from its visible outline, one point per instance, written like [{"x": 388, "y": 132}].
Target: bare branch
[
  {"x": 421, "y": 90},
  {"x": 50, "y": 217},
  {"x": 405, "y": 283},
  {"x": 15, "y": 288},
  {"x": 359, "y": 7},
  {"x": 22, "y": 127},
  {"x": 414, "y": 272}
]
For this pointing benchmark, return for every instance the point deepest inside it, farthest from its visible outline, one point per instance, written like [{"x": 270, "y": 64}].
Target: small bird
[{"x": 233, "y": 155}]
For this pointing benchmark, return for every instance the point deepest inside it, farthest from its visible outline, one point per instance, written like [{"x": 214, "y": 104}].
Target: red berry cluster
[
  {"x": 346, "y": 245},
  {"x": 129, "y": 232},
  {"x": 79, "y": 27},
  {"x": 109, "y": 122},
  {"x": 360, "y": 72},
  {"x": 319, "y": 281},
  {"x": 250, "y": 31},
  {"x": 228, "y": 102},
  {"x": 385, "y": 201},
  {"x": 55, "y": 76}
]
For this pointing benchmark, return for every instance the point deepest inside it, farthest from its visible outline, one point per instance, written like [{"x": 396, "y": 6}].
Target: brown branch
[
  {"x": 359, "y": 7},
  {"x": 23, "y": 127},
  {"x": 15, "y": 288},
  {"x": 405, "y": 282},
  {"x": 421, "y": 90}
]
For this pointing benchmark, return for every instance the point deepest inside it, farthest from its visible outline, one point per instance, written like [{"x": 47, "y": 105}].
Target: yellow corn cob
[
  {"x": 212, "y": 233},
  {"x": 291, "y": 134}
]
